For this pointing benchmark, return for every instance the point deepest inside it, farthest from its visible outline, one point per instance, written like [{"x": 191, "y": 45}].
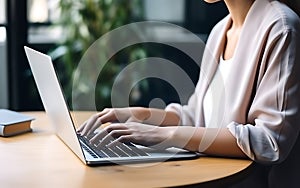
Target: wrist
[
  {"x": 141, "y": 113},
  {"x": 170, "y": 136},
  {"x": 166, "y": 137}
]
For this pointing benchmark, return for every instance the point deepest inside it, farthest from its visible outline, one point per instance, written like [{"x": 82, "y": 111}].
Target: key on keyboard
[{"x": 118, "y": 150}]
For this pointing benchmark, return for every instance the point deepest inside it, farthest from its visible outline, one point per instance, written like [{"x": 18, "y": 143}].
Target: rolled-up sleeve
[
  {"x": 274, "y": 112},
  {"x": 185, "y": 112}
]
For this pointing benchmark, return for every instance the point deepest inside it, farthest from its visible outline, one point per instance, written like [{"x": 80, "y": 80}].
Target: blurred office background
[{"x": 54, "y": 27}]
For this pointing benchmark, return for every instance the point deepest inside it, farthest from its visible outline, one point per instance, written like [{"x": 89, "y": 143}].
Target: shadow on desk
[{"x": 238, "y": 180}]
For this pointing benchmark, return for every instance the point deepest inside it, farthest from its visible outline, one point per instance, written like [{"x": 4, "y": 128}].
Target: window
[
  {"x": 38, "y": 11},
  {"x": 42, "y": 11},
  {"x": 160, "y": 10},
  {"x": 2, "y": 35},
  {"x": 41, "y": 15},
  {"x": 3, "y": 62},
  {"x": 2, "y": 12},
  {"x": 3, "y": 69}
]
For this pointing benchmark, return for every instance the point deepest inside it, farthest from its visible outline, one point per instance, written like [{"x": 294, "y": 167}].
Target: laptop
[{"x": 61, "y": 119}]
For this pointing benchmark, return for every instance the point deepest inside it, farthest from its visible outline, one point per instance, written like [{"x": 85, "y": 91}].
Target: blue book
[{"x": 14, "y": 123}]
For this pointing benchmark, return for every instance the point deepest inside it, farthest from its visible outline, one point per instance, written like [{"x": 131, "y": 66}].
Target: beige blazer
[{"x": 261, "y": 101}]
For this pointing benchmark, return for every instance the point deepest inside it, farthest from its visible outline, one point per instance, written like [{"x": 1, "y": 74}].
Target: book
[{"x": 14, "y": 123}]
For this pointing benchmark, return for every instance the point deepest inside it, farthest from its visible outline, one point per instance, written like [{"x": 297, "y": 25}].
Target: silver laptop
[{"x": 60, "y": 116}]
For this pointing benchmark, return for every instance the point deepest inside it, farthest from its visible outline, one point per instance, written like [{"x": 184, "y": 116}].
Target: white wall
[
  {"x": 3, "y": 63},
  {"x": 2, "y": 11},
  {"x": 3, "y": 70},
  {"x": 165, "y": 10}
]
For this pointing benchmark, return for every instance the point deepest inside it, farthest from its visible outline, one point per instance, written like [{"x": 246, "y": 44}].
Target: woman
[{"x": 256, "y": 51}]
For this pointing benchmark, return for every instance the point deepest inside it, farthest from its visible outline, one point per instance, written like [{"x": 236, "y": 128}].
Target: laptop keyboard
[{"x": 118, "y": 150}]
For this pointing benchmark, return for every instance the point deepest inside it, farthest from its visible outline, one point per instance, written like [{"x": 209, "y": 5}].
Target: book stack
[{"x": 14, "y": 123}]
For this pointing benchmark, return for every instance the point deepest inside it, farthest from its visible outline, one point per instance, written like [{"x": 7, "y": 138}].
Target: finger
[
  {"x": 104, "y": 119},
  {"x": 106, "y": 131},
  {"x": 107, "y": 117},
  {"x": 95, "y": 121},
  {"x": 81, "y": 127},
  {"x": 134, "y": 119},
  {"x": 103, "y": 142},
  {"x": 89, "y": 124},
  {"x": 84, "y": 124},
  {"x": 104, "y": 111},
  {"x": 122, "y": 139},
  {"x": 104, "y": 125},
  {"x": 112, "y": 136},
  {"x": 96, "y": 125}
]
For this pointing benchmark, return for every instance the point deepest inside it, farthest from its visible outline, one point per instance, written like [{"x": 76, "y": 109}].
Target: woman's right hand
[{"x": 108, "y": 115}]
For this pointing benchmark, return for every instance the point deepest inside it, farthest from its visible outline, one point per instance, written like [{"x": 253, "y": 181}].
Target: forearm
[
  {"x": 159, "y": 117},
  {"x": 210, "y": 141}
]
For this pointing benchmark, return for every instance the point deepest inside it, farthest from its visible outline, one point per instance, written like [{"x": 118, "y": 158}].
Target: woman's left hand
[{"x": 132, "y": 132}]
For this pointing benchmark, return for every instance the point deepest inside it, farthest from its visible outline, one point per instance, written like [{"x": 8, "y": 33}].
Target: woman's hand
[
  {"x": 120, "y": 115},
  {"x": 151, "y": 116},
  {"x": 138, "y": 133}
]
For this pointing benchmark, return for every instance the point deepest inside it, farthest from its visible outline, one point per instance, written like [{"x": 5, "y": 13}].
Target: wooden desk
[{"x": 40, "y": 159}]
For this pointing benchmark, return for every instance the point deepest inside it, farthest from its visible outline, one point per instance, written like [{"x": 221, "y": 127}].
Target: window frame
[
  {"x": 4, "y": 98},
  {"x": 4, "y": 22}
]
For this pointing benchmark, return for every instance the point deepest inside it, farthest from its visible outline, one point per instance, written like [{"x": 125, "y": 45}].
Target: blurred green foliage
[{"x": 85, "y": 21}]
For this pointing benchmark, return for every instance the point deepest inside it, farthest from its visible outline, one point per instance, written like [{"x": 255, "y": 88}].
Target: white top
[{"x": 215, "y": 92}]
